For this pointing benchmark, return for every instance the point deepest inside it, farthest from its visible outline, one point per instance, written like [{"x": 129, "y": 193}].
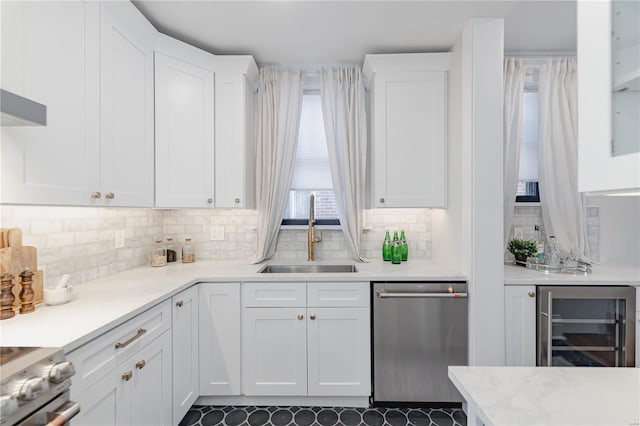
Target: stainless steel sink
[{"x": 307, "y": 269}]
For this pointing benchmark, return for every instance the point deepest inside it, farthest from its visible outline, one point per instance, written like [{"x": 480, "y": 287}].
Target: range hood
[{"x": 16, "y": 110}]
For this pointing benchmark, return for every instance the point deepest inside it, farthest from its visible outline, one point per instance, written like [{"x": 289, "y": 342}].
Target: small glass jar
[
  {"x": 172, "y": 254},
  {"x": 188, "y": 255},
  {"x": 158, "y": 254}
]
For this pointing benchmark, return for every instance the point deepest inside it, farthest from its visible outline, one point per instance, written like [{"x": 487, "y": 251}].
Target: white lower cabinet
[
  {"x": 520, "y": 325},
  {"x": 274, "y": 357},
  {"x": 338, "y": 351},
  {"x": 219, "y": 338},
  {"x": 310, "y": 349},
  {"x": 134, "y": 393},
  {"x": 184, "y": 320}
]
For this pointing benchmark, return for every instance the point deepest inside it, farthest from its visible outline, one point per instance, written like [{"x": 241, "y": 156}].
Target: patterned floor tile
[{"x": 322, "y": 416}]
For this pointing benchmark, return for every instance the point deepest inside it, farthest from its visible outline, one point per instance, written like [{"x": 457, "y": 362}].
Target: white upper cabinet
[
  {"x": 50, "y": 54},
  {"x": 408, "y": 95},
  {"x": 126, "y": 105},
  {"x": 236, "y": 86},
  {"x": 599, "y": 168},
  {"x": 184, "y": 94},
  {"x": 91, "y": 64}
]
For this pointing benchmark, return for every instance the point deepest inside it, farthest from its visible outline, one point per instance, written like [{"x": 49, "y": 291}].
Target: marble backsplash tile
[{"x": 81, "y": 240}]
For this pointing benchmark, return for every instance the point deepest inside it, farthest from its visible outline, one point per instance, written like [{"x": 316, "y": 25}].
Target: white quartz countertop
[
  {"x": 102, "y": 304},
  {"x": 550, "y": 395},
  {"x": 603, "y": 274}
]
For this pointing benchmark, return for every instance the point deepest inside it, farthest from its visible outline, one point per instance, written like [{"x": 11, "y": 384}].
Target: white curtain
[
  {"x": 277, "y": 125},
  {"x": 562, "y": 205},
  {"x": 515, "y": 72},
  {"x": 342, "y": 95}
]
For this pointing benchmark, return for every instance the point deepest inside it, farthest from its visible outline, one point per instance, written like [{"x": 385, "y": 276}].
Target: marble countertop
[
  {"x": 549, "y": 395},
  {"x": 102, "y": 304},
  {"x": 603, "y": 274}
]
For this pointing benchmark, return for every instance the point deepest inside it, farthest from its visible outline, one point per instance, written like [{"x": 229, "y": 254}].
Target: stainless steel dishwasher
[{"x": 418, "y": 330}]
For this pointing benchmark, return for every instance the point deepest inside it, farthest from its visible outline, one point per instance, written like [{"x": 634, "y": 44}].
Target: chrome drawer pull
[
  {"x": 384, "y": 295},
  {"x": 140, "y": 332}
]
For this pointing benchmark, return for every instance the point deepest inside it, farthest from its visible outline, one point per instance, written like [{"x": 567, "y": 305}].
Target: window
[
  {"x": 311, "y": 172},
  {"x": 527, "y": 191}
]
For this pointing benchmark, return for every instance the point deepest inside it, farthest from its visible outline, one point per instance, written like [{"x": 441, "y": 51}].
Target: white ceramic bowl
[{"x": 58, "y": 296}]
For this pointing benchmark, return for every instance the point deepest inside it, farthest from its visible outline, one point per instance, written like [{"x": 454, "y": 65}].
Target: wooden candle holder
[
  {"x": 6, "y": 297},
  {"x": 26, "y": 294}
]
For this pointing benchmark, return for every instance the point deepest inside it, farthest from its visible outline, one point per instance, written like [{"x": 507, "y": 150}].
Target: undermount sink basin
[{"x": 307, "y": 269}]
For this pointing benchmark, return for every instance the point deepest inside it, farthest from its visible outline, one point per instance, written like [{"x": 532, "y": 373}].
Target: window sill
[
  {"x": 305, "y": 227},
  {"x": 526, "y": 204}
]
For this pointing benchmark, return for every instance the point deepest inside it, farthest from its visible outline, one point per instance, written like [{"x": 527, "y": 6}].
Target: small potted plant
[{"x": 522, "y": 249}]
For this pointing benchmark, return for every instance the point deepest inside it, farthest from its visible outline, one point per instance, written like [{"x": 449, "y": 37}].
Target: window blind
[
  {"x": 311, "y": 169},
  {"x": 529, "y": 140}
]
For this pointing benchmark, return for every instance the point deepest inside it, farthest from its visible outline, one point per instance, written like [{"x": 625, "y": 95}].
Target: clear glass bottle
[
  {"x": 158, "y": 254},
  {"x": 553, "y": 258},
  {"x": 404, "y": 247},
  {"x": 386, "y": 247},
  {"x": 172, "y": 255},
  {"x": 188, "y": 255},
  {"x": 540, "y": 249}
]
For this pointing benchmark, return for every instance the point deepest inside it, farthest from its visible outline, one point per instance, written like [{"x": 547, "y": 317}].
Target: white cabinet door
[
  {"x": 598, "y": 169},
  {"x": 219, "y": 336},
  {"x": 409, "y": 139},
  {"x": 236, "y": 78},
  {"x": 408, "y": 128},
  {"x": 126, "y": 105},
  {"x": 274, "y": 358},
  {"x": 184, "y": 89},
  {"x": 107, "y": 402},
  {"x": 185, "y": 351},
  {"x": 50, "y": 54},
  {"x": 520, "y": 325},
  {"x": 151, "y": 383},
  {"x": 339, "y": 351}
]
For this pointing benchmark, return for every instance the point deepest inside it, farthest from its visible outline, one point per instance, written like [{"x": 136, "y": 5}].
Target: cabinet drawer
[
  {"x": 274, "y": 295},
  {"x": 337, "y": 294},
  {"x": 96, "y": 358}
]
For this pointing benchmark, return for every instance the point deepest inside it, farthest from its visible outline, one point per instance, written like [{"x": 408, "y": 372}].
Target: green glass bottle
[
  {"x": 404, "y": 247},
  {"x": 395, "y": 236},
  {"x": 396, "y": 256},
  {"x": 386, "y": 248}
]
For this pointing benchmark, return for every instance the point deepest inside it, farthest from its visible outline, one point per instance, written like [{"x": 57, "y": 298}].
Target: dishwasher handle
[{"x": 456, "y": 295}]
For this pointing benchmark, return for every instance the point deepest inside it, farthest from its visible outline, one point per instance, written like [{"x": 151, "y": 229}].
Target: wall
[
  {"x": 619, "y": 228},
  {"x": 526, "y": 217},
  {"x": 80, "y": 240}
]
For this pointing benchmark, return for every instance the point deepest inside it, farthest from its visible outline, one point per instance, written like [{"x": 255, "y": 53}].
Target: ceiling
[{"x": 308, "y": 33}]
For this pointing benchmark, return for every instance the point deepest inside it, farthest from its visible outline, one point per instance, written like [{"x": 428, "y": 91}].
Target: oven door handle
[
  {"x": 66, "y": 412},
  {"x": 384, "y": 295}
]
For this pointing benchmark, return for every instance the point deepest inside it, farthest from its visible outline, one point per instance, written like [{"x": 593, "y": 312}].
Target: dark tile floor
[{"x": 205, "y": 415}]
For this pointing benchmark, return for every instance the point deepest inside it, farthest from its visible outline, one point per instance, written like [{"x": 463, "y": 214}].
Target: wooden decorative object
[
  {"x": 26, "y": 294},
  {"x": 6, "y": 297}
]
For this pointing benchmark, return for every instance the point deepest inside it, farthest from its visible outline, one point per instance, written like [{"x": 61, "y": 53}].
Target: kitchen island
[{"x": 549, "y": 396}]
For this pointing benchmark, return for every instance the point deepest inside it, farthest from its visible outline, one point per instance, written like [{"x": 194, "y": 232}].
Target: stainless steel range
[{"x": 34, "y": 387}]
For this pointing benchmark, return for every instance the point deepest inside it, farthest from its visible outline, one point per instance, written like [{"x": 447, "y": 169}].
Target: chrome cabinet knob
[
  {"x": 209, "y": 200},
  {"x": 237, "y": 200},
  {"x": 61, "y": 372},
  {"x": 300, "y": 316},
  {"x": 312, "y": 317},
  {"x": 382, "y": 200},
  {"x": 33, "y": 388},
  {"x": 532, "y": 294},
  {"x": 110, "y": 195},
  {"x": 140, "y": 364},
  {"x": 96, "y": 194},
  {"x": 126, "y": 376}
]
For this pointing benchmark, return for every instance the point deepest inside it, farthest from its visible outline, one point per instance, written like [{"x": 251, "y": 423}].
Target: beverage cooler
[{"x": 586, "y": 326}]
